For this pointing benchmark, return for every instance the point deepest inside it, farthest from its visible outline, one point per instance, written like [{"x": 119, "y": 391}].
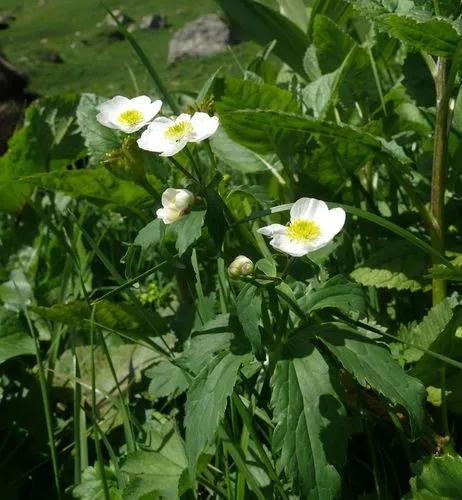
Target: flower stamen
[
  {"x": 303, "y": 230},
  {"x": 130, "y": 117},
  {"x": 179, "y": 131}
]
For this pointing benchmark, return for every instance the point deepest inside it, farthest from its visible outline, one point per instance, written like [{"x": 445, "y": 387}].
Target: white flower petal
[
  {"x": 113, "y": 105},
  {"x": 308, "y": 208},
  {"x": 153, "y": 138},
  {"x": 204, "y": 126},
  {"x": 104, "y": 119},
  {"x": 140, "y": 102},
  {"x": 184, "y": 117},
  {"x": 168, "y": 215},
  {"x": 332, "y": 224},
  {"x": 272, "y": 229},
  {"x": 177, "y": 199},
  {"x": 291, "y": 247},
  {"x": 183, "y": 199},
  {"x": 174, "y": 147}
]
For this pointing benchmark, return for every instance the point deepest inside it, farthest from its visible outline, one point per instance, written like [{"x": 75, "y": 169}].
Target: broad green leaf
[
  {"x": 448, "y": 343},
  {"x": 167, "y": 379},
  {"x": 437, "y": 477},
  {"x": 397, "y": 266},
  {"x": 311, "y": 63},
  {"x": 128, "y": 361},
  {"x": 416, "y": 27},
  {"x": 231, "y": 94},
  {"x": 188, "y": 229},
  {"x": 248, "y": 307},
  {"x": 92, "y": 488},
  {"x": 331, "y": 42},
  {"x": 156, "y": 471},
  {"x": 309, "y": 416},
  {"x": 14, "y": 340},
  {"x": 425, "y": 333},
  {"x": 122, "y": 317},
  {"x": 99, "y": 140},
  {"x": 257, "y": 127},
  {"x": 151, "y": 234},
  {"x": 337, "y": 292},
  {"x": 201, "y": 348},
  {"x": 206, "y": 402},
  {"x": 47, "y": 140},
  {"x": 373, "y": 365},
  {"x": 296, "y": 11},
  {"x": 94, "y": 184},
  {"x": 17, "y": 291},
  {"x": 241, "y": 158},
  {"x": 263, "y": 25}
]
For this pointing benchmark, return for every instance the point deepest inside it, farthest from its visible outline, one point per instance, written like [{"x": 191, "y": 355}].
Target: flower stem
[
  {"x": 183, "y": 170},
  {"x": 439, "y": 168}
]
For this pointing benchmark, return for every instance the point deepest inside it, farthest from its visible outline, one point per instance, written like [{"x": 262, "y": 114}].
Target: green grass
[{"x": 93, "y": 62}]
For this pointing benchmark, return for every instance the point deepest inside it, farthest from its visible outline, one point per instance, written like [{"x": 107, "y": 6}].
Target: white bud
[
  {"x": 175, "y": 204},
  {"x": 240, "y": 266}
]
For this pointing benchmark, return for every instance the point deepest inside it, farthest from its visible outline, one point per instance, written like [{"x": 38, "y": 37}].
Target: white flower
[
  {"x": 128, "y": 115},
  {"x": 167, "y": 136},
  {"x": 175, "y": 204},
  {"x": 312, "y": 226},
  {"x": 240, "y": 266}
]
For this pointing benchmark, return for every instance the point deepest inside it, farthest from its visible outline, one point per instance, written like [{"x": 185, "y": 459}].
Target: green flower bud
[
  {"x": 240, "y": 266},
  {"x": 127, "y": 163}
]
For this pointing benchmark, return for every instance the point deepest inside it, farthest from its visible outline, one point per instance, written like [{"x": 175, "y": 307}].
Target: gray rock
[
  {"x": 153, "y": 22},
  {"x": 206, "y": 36}
]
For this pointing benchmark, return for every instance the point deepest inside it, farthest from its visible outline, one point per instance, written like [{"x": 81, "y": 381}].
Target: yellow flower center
[
  {"x": 303, "y": 230},
  {"x": 179, "y": 130},
  {"x": 130, "y": 117}
]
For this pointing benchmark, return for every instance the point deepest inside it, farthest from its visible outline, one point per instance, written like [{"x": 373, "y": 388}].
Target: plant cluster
[{"x": 256, "y": 294}]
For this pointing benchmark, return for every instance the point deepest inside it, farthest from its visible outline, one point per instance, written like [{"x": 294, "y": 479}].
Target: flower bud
[
  {"x": 240, "y": 266},
  {"x": 175, "y": 204},
  {"x": 127, "y": 163}
]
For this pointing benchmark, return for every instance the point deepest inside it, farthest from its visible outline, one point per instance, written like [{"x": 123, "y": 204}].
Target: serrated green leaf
[
  {"x": 231, "y": 94},
  {"x": 435, "y": 35},
  {"x": 167, "y": 380},
  {"x": 92, "y": 487},
  {"x": 257, "y": 127},
  {"x": 373, "y": 365},
  {"x": 206, "y": 402},
  {"x": 337, "y": 292},
  {"x": 248, "y": 307},
  {"x": 99, "y": 140},
  {"x": 188, "y": 229},
  {"x": 425, "y": 333},
  {"x": 97, "y": 185},
  {"x": 46, "y": 141},
  {"x": 151, "y": 234},
  {"x": 240, "y": 158},
  {"x": 397, "y": 266},
  {"x": 14, "y": 340},
  {"x": 437, "y": 477},
  {"x": 156, "y": 472},
  {"x": 309, "y": 414}
]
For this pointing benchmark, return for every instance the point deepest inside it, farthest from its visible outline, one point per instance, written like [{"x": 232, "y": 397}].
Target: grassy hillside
[{"x": 92, "y": 61}]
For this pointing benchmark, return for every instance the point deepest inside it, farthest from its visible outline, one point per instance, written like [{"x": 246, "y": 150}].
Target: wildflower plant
[{"x": 277, "y": 312}]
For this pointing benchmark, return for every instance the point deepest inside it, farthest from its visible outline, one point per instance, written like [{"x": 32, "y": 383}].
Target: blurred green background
[{"x": 92, "y": 61}]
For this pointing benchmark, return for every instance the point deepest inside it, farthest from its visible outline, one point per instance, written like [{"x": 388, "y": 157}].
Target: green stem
[
  {"x": 444, "y": 406},
  {"x": 46, "y": 405},
  {"x": 439, "y": 169},
  {"x": 96, "y": 436},
  {"x": 180, "y": 167}
]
